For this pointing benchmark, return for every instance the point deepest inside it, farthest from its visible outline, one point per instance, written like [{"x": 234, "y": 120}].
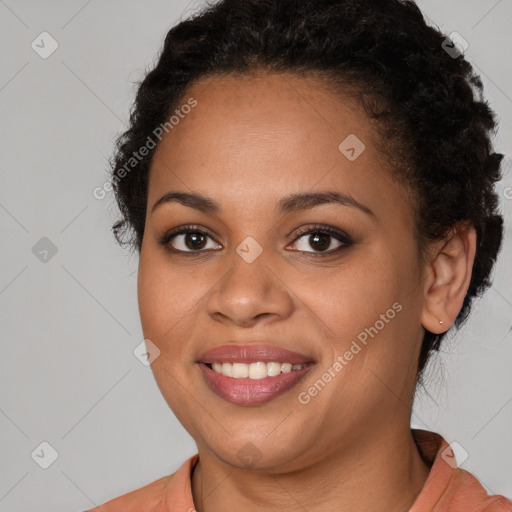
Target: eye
[
  {"x": 187, "y": 239},
  {"x": 192, "y": 239},
  {"x": 321, "y": 239}
]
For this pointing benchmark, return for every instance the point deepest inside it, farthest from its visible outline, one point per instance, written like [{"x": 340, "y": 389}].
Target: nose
[{"x": 249, "y": 293}]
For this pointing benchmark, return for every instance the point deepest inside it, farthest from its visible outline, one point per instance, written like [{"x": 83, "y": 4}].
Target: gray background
[{"x": 68, "y": 375}]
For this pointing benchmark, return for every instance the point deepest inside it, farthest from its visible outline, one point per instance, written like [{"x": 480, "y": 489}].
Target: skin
[{"x": 249, "y": 142}]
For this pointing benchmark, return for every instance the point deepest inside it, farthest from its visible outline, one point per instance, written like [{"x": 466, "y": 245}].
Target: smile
[
  {"x": 255, "y": 390},
  {"x": 257, "y": 370}
]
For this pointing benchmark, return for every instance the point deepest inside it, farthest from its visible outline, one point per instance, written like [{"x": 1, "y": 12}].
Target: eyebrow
[{"x": 288, "y": 204}]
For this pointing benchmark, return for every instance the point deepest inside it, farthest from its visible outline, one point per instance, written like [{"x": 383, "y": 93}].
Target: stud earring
[{"x": 440, "y": 321}]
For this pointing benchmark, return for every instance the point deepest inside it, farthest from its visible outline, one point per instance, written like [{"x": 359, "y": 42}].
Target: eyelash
[{"x": 316, "y": 229}]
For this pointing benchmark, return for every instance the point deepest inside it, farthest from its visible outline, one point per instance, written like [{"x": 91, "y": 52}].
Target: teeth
[
  {"x": 227, "y": 369},
  {"x": 240, "y": 370},
  {"x": 286, "y": 367},
  {"x": 273, "y": 369},
  {"x": 258, "y": 370}
]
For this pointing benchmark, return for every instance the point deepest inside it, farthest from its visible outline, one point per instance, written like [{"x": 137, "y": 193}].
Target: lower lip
[{"x": 252, "y": 391}]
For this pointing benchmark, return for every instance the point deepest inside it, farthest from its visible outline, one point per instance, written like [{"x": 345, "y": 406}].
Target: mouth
[{"x": 252, "y": 375}]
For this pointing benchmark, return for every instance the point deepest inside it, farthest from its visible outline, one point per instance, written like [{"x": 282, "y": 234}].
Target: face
[{"x": 333, "y": 276}]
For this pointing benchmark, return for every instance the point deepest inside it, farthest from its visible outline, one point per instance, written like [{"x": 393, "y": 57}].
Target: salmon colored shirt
[{"x": 447, "y": 489}]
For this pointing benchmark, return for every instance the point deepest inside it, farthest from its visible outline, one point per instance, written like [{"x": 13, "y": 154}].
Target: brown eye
[
  {"x": 195, "y": 240},
  {"x": 321, "y": 240},
  {"x": 188, "y": 240}
]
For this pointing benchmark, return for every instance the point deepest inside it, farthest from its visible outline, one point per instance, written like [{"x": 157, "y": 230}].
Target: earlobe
[{"x": 448, "y": 278}]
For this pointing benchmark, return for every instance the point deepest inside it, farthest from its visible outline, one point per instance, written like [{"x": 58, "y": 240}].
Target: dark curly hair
[{"x": 435, "y": 125}]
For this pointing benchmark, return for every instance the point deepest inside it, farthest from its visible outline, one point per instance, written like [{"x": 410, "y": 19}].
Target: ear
[{"x": 448, "y": 275}]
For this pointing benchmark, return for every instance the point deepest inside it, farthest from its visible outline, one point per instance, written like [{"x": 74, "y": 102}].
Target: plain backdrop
[{"x": 69, "y": 318}]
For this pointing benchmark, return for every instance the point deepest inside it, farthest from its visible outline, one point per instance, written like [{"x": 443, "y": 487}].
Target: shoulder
[
  {"x": 148, "y": 498},
  {"x": 171, "y": 492},
  {"x": 448, "y": 487},
  {"x": 468, "y": 489}
]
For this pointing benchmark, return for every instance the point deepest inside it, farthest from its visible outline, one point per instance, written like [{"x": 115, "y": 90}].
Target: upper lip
[{"x": 252, "y": 353}]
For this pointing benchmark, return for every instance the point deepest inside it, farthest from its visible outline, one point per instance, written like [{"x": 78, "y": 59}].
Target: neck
[{"x": 386, "y": 474}]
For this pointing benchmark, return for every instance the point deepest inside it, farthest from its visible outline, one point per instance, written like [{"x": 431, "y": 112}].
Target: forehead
[
  {"x": 239, "y": 113},
  {"x": 255, "y": 138}
]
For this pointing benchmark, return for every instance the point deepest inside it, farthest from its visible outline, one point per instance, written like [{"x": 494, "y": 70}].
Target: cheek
[
  {"x": 155, "y": 307},
  {"x": 158, "y": 289},
  {"x": 366, "y": 309},
  {"x": 171, "y": 303},
  {"x": 352, "y": 298}
]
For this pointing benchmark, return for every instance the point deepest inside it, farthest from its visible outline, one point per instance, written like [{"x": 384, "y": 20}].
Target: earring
[{"x": 440, "y": 321}]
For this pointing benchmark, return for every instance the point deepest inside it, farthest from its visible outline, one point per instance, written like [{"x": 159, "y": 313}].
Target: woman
[{"x": 310, "y": 186}]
